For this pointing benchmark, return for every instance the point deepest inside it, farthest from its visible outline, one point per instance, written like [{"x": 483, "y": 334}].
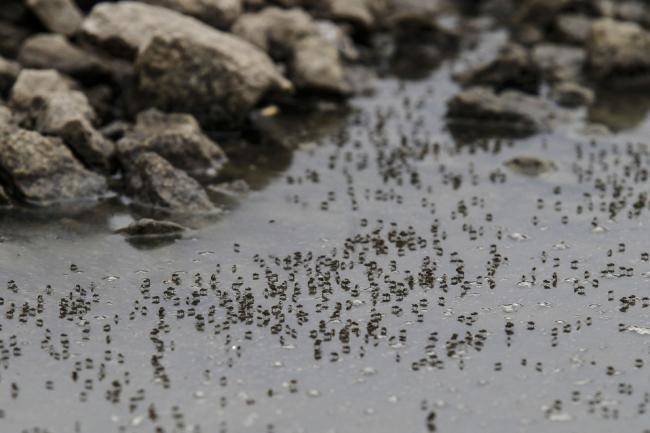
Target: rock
[
  {"x": 337, "y": 37},
  {"x": 512, "y": 67},
  {"x": 355, "y": 12},
  {"x": 176, "y": 137},
  {"x": 530, "y": 165},
  {"x": 52, "y": 51},
  {"x": 572, "y": 95},
  {"x": 559, "y": 62},
  {"x": 153, "y": 181},
  {"x": 216, "y": 77},
  {"x": 293, "y": 36},
  {"x": 58, "y": 16},
  {"x": 42, "y": 170},
  {"x": 618, "y": 48},
  {"x": 4, "y": 198},
  {"x": 150, "y": 227},
  {"x": 6, "y": 118},
  {"x": 539, "y": 11},
  {"x": 217, "y": 13},
  {"x": 573, "y": 28},
  {"x": 317, "y": 66},
  {"x": 276, "y": 31},
  {"x": 236, "y": 188},
  {"x": 11, "y": 38},
  {"x": 9, "y": 71},
  {"x": 511, "y": 109},
  {"x": 55, "y": 107}
]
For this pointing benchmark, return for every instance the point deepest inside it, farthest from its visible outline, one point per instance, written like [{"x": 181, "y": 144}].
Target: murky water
[{"x": 387, "y": 276}]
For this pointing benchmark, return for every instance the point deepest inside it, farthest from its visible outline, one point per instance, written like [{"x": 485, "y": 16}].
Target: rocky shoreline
[{"x": 104, "y": 98}]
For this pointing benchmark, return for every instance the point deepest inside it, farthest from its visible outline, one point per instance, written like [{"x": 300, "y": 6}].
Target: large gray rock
[
  {"x": 511, "y": 109},
  {"x": 216, "y": 77},
  {"x": 176, "y": 137},
  {"x": 153, "y": 181},
  {"x": 293, "y": 36},
  {"x": 217, "y": 13},
  {"x": 58, "y": 16},
  {"x": 54, "y": 107},
  {"x": 42, "y": 170},
  {"x": 618, "y": 48},
  {"x": 511, "y": 67},
  {"x": 52, "y": 51}
]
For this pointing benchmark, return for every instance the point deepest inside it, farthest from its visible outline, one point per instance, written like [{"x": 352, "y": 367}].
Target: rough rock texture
[
  {"x": 512, "y": 109},
  {"x": 9, "y": 71},
  {"x": 216, "y": 77},
  {"x": 512, "y": 67},
  {"x": 42, "y": 170},
  {"x": 55, "y": 107},
  {"x": 293, "y": 36},
  {"x": 530, "y": 165},
  {"x": 153, "y": 181},
  {"x": 52, "y": 51},
  {"x": 559, "y": 62},
  {"x": 150, "y": 227},
  {"x": 617, "y": 48},
  {"x": 176, "y": 137},
  {"x": 217, "y": 13},
  {"x": 58, "y": 16}
]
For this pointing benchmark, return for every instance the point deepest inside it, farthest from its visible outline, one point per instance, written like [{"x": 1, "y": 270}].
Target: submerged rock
[
  {"x": 150, "y": 227},
  {"x": 530, "y": 165},
  {"x": 176, "y": 137},
  {"x": 153, "y": 181},
  {"x": 510, "y": 109},
  {"x": 58, "y": 16},
  {"x": 55, "y": 107},
  {"x": 217, "y": 13},
  {"x": 512, "y": 67},
  {"x": 42, "y": 170},
  {"x": 618, "y": 48}
]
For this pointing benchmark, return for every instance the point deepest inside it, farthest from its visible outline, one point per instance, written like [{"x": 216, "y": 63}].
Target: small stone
[
  {"x": 150, "y": 227},
  {"x": 572, "y": 95},
  {"x": 529, "y": 165},
  {"x": 58, "y": 16},
  {"x": 317, "y": 66},
  {"x": 153, "y": 181}
]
